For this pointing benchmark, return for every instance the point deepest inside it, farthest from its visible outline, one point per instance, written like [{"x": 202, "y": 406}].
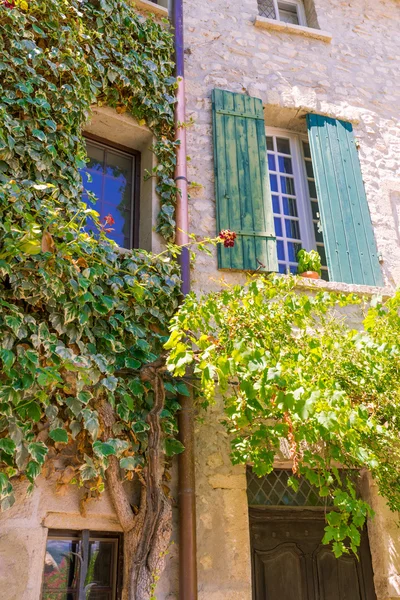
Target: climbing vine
[
  {"x": 296, "y": 378},
  {"x": 82, "y": 324}
]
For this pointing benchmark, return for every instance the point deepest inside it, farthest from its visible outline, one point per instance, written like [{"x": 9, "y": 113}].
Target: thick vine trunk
[{"x": 147, "y": 533}]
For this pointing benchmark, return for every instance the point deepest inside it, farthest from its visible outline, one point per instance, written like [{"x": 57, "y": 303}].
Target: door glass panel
[{"x": 273, "y": 490}]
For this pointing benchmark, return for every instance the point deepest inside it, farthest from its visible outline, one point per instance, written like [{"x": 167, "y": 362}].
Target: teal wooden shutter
[
  {"x": 346, "y": 222},
  {"x": 243, "y": 195}
]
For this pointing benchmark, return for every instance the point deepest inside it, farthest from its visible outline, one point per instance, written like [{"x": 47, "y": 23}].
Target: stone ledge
[
  {"x": 344, "y": 288},
  {"x": 281, "y": 27},
  {"x": 96, "y": 522},
  {"x": 151, "y": 7}
]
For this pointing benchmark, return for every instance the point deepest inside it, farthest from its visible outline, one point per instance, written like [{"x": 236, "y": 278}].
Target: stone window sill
[
  {"x": 273, "y": 25},
  {"x": 151, "y": 7},
  {"x": 344, "y": 288}
]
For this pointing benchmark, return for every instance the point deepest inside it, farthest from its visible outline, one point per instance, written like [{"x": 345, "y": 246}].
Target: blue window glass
[
  {"x": 275, "y": 204},
  {"x": 271, "y": 162},
  {"x": 274, "y": 183},
  {"x": 111, "y": 179},
  {"x": 278, "y": 227}
]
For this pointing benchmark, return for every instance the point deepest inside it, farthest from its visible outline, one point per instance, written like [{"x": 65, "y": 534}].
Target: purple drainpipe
[{"x": 186, "y": 478}]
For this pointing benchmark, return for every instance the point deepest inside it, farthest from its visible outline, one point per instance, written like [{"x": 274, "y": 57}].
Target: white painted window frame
[
  {"x": 301, "y": 15},
  {"x": 308, "y": 241}
]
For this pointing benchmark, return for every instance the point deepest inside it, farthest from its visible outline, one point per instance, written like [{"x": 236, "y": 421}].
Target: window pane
[
  {"x": 283, "y": 145},
  {"x": 282, "y": 268},
  {"x": 288, "y": 13},
  {"x": 271, "y": 162},
  {"x": 274, "y": 183},
  {"x": 293, "y": 249},
  {"x": 266, "y": 8},
  {"x": 100, "y": 568},
  {"x": 321, "y": 252},
  {"x": 315, "y": 210},
  {"x": 318, "y": 234},
  {"x": 285, "y": 165},
  {"x": 112, "y": 183},
  {"x": 309, "y": 169},
  {"x": 292, "y": 229},
  {"x": 289, "y": 207},
  {"x": 96, "y": 157},
  {"x": 278, "y": 227},
  {"x": 280, "y": 249},
  {"x": 312, "y": 189},
  {"x": 61, "y": 568},
  {"x": 275, "y": 204},
  {"x": 270, "y": 143},
  {"x": 306, "y": 150},
  {"x": 287, "y": 186}
]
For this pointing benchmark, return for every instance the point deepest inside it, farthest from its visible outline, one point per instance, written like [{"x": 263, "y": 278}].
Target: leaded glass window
[
  {"x": 291, "y": 11},
  {"x": 266, "y": 8},
  {"x": 273, "y": 490}
]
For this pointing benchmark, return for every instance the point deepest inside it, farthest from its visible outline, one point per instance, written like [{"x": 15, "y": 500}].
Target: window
[
  {"x": 80, "y": 566},
  {"x": 294, "y": 199},
  {"x": 112, "y": 175},
  {"x": 288, "y": 12}
]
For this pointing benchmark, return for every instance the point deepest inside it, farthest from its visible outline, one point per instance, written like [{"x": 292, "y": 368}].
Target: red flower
[
  {"x": 9, "y": 4},
  {"x": 228, "y": 238},
  {"x": 108, "y": 220}
]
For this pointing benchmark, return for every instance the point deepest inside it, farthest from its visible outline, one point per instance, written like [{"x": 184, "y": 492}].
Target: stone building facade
[{"x": 343, "y": 62}]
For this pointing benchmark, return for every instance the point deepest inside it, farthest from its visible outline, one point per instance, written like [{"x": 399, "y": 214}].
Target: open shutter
[
  {"x": 242, "y": 189},
  {"x": 346, "y": 222}
]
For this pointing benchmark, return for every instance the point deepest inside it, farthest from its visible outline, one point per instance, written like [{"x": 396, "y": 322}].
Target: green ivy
[
  {"x": 78, "y": 317},
  {"x": 294, "y": 374}
]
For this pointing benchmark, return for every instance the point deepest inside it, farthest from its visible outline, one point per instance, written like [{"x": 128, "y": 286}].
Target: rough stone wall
[
  {"x": 24, "y": 529},
  {"x": 355, "y": 77}
]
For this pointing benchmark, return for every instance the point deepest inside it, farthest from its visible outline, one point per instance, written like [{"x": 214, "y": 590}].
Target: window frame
[
  {"x": 308, "y": 240},
  {"x": 301, "y": 14},
  {"x": 105, "y": 143},
  {"x": 94, "y": 536}
]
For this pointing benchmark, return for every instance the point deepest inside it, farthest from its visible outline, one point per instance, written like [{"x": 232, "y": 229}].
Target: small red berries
[{"x": 228, "y": 237}]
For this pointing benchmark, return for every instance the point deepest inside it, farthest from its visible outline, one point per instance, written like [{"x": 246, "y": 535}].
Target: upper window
[
  {"x": 112, "y": 175},
  {"x": 294, "y": 199},
  {"x": 80, "y": 565},
  {"x": 291, "y": 11}
]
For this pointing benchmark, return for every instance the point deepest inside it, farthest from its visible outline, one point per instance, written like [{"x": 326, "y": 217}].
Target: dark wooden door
[{"x": 290, "y": 563}]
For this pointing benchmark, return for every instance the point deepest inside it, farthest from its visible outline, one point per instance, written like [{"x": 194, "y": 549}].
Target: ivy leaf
[
  {"x": 33, "y": 411},
  {"x": 91, "y": 421},
  {"x": 110, "y": 383},
  {"x": 59, "y": 435},
  {"x": 129, "y": 462},
  {"x": 103, "y": 449},
  {"x": 38, "y": 451},
  {"x": 87, "y": 472},
  {"x": 7, "y": 446},
  {"x": 37, "y": 133},
  {"x": 7, "y": 357},
  {"x": 173, "y": 446}
]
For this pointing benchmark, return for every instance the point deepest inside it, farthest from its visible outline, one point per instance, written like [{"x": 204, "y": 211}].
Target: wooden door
[{"x": 290, "y": 563}]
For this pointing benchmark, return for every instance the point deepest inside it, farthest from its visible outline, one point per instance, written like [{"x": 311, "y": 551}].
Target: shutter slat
[
  {"x": 346, "y": 222},
  {"x": 242, "y": 190}
]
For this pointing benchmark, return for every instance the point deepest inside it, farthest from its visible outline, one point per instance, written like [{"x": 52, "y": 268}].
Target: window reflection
[
  {"x": 65, "y": 561},
  {"x": 109, "y": 175}
]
